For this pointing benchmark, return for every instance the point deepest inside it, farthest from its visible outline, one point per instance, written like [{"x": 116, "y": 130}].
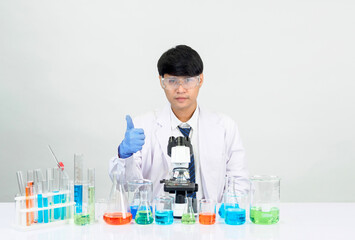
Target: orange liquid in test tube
[
  {"x": 28, "y": 214},
  {"x": 207, "y": 218},
  {"x": 32, "y": 214}
]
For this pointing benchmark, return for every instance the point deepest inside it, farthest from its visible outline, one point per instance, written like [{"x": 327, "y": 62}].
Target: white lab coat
[{"x": 221, "y": 153}]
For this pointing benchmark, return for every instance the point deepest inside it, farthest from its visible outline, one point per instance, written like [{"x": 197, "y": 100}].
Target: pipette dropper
[{"x": 59, "y": 164}]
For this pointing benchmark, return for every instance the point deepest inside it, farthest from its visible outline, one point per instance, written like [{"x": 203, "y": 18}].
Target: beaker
[
  {"x": 188, "y": 216},
  {"x": 235, "y": 204},
  {"x": 134, "y": 189},
  {"x": 265, "y": 199},
  {"x": 164, "y": 210},
  {"x": 207, "y": 214},
  {"x": 144, "y": 214},
  {"x": 118, "y": 212}
]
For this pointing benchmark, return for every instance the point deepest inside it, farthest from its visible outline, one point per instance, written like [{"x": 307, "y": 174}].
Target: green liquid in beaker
[
  {"x": 81, "y": 219},
  {"x": 144, "y": 217},
  {"x": 257, "y": 216},
  {"x": 188, "y": 218}
]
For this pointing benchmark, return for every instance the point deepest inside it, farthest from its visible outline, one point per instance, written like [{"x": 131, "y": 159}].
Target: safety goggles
[{"x": 171, "y": 83}]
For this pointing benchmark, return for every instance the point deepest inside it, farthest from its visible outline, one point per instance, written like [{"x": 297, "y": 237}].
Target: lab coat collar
[{"x": 192, "y": 122}]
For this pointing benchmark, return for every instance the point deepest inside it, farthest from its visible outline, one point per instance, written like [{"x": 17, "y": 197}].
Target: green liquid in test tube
[{"x": 91, "y": 192}]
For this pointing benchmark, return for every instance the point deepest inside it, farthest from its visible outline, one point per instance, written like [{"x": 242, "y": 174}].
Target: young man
[{"x": 217, "y": 147}]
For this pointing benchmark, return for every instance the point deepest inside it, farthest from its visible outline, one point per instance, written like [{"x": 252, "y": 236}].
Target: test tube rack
[{"x": 29, "y": 216}]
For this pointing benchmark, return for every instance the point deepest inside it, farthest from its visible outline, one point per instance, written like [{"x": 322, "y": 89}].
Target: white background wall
[{"x": 284, "y": 70}]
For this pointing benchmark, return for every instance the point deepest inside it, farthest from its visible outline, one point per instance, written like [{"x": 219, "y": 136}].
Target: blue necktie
[{"x": 186, "y": 132}]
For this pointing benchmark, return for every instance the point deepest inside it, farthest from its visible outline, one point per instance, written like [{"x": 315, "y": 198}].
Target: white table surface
[{"x": 297, "y": 221}]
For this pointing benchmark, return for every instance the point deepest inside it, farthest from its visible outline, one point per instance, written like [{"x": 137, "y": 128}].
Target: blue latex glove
[{"x": 133, "y": 141}]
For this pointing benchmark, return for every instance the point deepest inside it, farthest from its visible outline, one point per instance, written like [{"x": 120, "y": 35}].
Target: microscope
[{"x": 180, "y": 150}]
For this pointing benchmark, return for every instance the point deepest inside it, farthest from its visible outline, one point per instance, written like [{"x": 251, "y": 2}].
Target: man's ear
[
  {"x": 201, "y": 79},
  {"x": 161, "y": 83}
]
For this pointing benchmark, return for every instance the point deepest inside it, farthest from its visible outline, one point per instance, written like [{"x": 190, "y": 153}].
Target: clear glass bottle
[
  {"x": 118, "y": 212},
  {"x": 144, "y": 214},
  {"x": 188, "y": 217}
]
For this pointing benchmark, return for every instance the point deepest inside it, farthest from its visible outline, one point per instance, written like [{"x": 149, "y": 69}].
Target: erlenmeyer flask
[
  {"x": 188, "y": 217},
  {"x": 231, "y": 188},
  {"x": 118, "y": 211},
  {"x": 134, "y": 188},
  {"x": 144, "y": 214}
]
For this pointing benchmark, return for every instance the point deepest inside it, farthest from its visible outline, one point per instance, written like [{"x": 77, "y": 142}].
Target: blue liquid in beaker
[
  {"x": 164, "y": 217},
  {"x": 221, "y": 210},
  {"x": 134, "y": 211},
  {"x": 235, "y": 216}
]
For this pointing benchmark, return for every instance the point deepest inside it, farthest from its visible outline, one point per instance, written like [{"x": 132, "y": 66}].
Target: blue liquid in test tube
[
  {"x": 40, "y": 205},
  {"x": 78, "y": 181},
  {"x": 78, "y": 198},
  {"x": 235, "y": 216},
  {"x": 56, "y": 200},
  {"x": 45, "y": 212},
  {"x": 164, "y": 217}
]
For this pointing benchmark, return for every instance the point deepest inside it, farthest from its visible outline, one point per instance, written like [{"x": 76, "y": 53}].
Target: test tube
[
  {"x": 29, "y": 194},
  {"x": 20, "y": 182},
  {"x": 39, "y": 181},
  {"x": 56, "y": 194},
  {"x": 78, "y": 181},
  {"x": 64, "y": 189},
  {"x": 49, "y": 184},
  {"x": 70, "y": 199},
  {"x": 46, "y": 216},
  {"x": 21, "y": 217},
  {"x": 28, "y": 205},
  {"x": 91, "y": 190}
]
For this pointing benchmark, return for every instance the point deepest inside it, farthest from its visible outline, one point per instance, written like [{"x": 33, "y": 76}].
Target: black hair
[{"x": 181, "y": 60}]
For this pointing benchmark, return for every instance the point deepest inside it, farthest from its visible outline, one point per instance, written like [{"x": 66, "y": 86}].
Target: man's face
[{"x": 182, "y": 98}]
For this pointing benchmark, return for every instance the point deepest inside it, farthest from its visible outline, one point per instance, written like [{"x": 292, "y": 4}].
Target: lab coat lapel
[
  {"x": 211, "y": 145},
  {"x": 164, "y": 132}
]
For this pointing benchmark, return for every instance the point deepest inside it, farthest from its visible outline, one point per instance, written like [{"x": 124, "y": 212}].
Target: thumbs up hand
[{"x": 133, "y": 141}]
